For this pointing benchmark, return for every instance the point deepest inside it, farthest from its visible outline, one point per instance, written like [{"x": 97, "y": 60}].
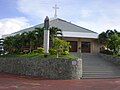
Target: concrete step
[
  {"x": 100, "y": 74},
  {"x": 96, "y": 67},
  {"x": 99, "y": 77},
  {"x": 118, "y": 73}
]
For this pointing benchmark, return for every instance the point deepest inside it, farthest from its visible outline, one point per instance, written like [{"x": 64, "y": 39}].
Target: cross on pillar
[{"x": 55, "y": 10}]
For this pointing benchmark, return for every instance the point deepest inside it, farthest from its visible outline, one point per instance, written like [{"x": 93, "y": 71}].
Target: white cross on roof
[{"x": 55, "y": 10}]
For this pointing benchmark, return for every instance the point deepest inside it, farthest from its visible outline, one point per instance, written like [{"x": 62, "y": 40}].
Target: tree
[
  {"x": 103, "y": 38},
  {"x": 17, "y": 45},
  {"x": 114, "y": 43},
  {"x": 31, "y": 39},
  {"x": 61, "y": 46},
  {"x": 8, "y": 44},
  {"x": 110, "y": 39},
  {"x": 24, "y": 38},
  {"x": 39, "y": 34},
  {"x": 54, "y": 32},
  {"x": 110, "y": 32}
]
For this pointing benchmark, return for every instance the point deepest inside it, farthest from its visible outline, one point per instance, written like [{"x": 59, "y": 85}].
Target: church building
[{"x": 81, "y": 39}]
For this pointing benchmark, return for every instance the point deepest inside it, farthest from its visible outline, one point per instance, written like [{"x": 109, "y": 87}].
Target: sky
[{"x": 96, "y": 15}]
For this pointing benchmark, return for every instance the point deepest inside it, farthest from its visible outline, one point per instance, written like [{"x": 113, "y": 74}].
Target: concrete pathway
[{"x": 96, "y": 67}]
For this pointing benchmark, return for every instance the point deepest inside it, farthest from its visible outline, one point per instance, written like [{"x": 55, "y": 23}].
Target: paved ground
[
  {"x": 15, "y": 82},
  {"x": 96, "y": 67}
]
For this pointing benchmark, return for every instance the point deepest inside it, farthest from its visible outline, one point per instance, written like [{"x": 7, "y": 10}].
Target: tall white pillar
[{"x": 46, "y": 41}]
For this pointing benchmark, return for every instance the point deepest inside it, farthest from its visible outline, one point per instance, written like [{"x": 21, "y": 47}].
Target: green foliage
[
  {"x": 67, "y": 56},
  {"x": 29, "y": 40},
  {"x": 32, "y": 55},
  {"x": 25, "y": 51},
  {"x": 35, "y": 51},
  {"x": 102, "y": 38},
  {"x": 65, "y": 53},
  {"x": 8, "y": 44},
  {"x": 107, "y": 52},
  {"x": 54, "y": 32},
  {"x": 118, "y": 54},
  {"x": 40, "y": 49},
  {"x": 52, "y": 51},
  {"x": 111, "y": 40},
  {"x": 61, "y": 46},
  {"x": 114, "y": 43},
  {"x": 37, "y": 55}
]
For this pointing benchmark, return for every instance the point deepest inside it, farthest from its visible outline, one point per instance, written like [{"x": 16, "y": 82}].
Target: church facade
[{"x": 81, "y": 39}]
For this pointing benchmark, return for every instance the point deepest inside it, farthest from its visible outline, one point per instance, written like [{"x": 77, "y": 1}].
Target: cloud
[
  {"x": 10, "y": 25},
  {"x": 85, "y": 13},
  {"x": 41, "y": 8},
  {"x": 97, "y": 15},
  {"x": 100, "y": 25},
  {"x": 101, "y": 18},
  {"x": 36, "y": 8}
]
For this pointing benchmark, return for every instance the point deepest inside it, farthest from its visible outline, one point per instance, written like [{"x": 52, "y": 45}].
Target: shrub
[
  {"x": 118, "y": 54},
  {"x": 46, "y": 55},
  {"x": 107, "y": 52},
  {"x": 65, "y": 53},
  {"x": 25, "y": 51},
  {"x": 35, "y": 51},
  {"x": 52, "y": 51},
  {"x": 40, "y": 49},
  {"x": 65, "y": 49}
]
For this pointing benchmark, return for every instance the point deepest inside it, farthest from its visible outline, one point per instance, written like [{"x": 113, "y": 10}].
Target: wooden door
[
  {"x": 73, "y": 46},
  {"x": 85, "y": 47}
]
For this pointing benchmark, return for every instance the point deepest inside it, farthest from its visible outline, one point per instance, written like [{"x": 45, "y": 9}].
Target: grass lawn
[{"x": 38, "y": 55}]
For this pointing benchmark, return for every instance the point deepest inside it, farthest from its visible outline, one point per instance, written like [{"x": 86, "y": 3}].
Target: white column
[{"x": 46, "y": 41}]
